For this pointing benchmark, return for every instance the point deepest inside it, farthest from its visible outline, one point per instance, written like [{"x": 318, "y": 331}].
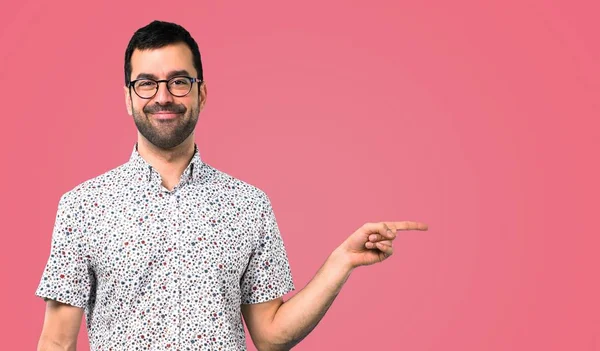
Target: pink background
[{"x": 478, "y": 119}]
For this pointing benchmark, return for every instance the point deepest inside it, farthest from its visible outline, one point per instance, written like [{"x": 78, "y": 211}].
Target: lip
[{"x": 165, "y": 115}]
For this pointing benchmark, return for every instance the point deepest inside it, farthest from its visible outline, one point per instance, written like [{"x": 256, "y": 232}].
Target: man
[{"x": 166, "y": 252}]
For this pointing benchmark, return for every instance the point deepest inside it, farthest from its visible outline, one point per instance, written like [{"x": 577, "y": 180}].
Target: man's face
[{"x": 165, "y": 120}]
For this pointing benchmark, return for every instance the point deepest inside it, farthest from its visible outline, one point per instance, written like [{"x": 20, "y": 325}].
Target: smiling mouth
[{"x": 165, "y": 115}]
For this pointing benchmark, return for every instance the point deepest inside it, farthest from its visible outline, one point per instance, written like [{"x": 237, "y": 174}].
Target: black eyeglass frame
[{"x": 166, "y": 81}]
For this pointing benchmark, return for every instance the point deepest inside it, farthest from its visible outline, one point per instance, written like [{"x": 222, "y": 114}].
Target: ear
[
  {"x": 128, "y": 101},
  {"x": 202, "y": 96}
]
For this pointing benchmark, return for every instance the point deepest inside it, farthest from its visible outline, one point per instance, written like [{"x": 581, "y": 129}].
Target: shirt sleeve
[
  {"x": 67, "y": 277},
  {"x": 268, "y": 274}
]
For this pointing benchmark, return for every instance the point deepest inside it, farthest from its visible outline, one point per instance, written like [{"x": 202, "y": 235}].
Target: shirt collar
[{"x": 143, "y": 171}]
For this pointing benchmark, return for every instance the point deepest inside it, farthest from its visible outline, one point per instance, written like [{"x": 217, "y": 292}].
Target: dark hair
[{"x": 157, "y": 35}]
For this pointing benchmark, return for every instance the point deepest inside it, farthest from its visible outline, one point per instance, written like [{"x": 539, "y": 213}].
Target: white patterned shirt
[{"x": 155, "y": 269}]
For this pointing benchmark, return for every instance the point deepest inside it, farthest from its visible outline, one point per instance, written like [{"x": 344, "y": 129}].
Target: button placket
[{"x": 174, "y": 284}]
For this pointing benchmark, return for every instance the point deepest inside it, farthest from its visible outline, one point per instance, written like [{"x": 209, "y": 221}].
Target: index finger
[{"x": 409, "y": 225}]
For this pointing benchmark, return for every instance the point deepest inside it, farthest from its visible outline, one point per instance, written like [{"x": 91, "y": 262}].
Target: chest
[{"x": 172, "y": 239}]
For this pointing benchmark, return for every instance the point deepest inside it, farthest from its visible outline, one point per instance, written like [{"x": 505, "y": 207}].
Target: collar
[{"x": 143, "y": 171}]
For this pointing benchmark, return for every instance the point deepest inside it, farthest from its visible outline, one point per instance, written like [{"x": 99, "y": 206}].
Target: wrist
[{"x": 342, "y": 259}]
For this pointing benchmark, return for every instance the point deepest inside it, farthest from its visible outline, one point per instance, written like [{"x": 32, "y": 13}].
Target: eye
[
  {"x": 179, "y": 81},
  {"x": 145, "y": 83}
]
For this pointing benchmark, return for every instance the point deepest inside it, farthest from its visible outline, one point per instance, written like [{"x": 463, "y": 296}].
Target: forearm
[
  {"x": 46, "y": 344},
  {"x": 298, "y": 316}
]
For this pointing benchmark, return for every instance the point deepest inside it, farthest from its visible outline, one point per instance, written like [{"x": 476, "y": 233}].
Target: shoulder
[
  {"x": 233, "y": 187},
  {"x": 91, "y": 190}
]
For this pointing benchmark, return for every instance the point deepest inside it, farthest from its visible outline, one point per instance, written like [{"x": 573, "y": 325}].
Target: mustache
[{"x": 172, "y": 108}]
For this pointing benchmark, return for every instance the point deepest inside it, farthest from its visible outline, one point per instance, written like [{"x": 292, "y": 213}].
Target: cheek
[
  {"x": 189, "y": 104},
  {"x": 138, "y": 106}
]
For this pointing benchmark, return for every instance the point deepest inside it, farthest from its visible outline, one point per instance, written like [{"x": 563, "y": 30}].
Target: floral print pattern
[{"x": 155, "y": 269}]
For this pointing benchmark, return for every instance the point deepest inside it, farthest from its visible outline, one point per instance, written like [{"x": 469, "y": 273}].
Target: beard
[{"x": 166, "y": 134}]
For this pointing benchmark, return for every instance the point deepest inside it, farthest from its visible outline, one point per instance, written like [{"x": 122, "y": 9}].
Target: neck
[{"x": 169, "y": 163}]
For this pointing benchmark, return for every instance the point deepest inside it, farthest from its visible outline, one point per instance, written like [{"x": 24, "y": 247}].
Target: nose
[{"x": 163, "y": 96}]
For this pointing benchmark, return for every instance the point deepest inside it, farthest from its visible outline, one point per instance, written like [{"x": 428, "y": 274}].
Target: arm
[
  {"x": 61, "y": 327},
  {"x": 276, "y": 325},
  {"x": 292, "y": 321}
]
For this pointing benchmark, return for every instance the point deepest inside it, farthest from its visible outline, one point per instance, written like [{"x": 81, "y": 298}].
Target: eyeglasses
[{"x": 178, "y": 86}]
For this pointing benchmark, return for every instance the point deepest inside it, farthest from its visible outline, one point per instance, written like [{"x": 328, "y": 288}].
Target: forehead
[{"x": 161, "y": 61}]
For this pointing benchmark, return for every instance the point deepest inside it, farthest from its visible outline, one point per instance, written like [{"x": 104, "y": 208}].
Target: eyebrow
[{"x": 171, "y": 74}]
